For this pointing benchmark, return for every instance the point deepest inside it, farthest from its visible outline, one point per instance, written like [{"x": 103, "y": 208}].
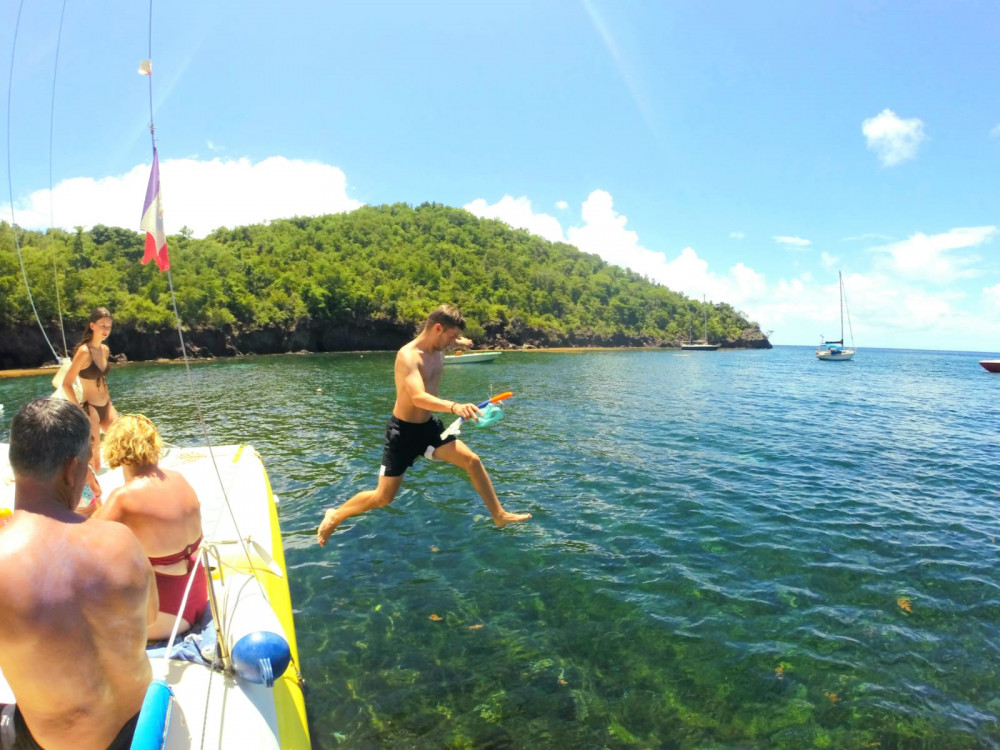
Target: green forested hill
[{"x": 376, "y": 265}]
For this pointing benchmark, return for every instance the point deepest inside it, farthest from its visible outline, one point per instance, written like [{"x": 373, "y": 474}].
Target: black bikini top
[{"x": 92, "y": 371}]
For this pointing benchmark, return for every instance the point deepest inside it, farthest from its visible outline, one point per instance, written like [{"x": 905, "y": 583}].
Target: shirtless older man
[
  {"x": 76, "y": 596},
  {"x": 413, "y": 430}
]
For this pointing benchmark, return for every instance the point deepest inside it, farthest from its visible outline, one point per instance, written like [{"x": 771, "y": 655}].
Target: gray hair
[{"x": 44, "y": 435}]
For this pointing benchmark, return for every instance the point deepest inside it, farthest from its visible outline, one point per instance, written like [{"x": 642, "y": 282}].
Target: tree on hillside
[{"x": 390, "y": 264}]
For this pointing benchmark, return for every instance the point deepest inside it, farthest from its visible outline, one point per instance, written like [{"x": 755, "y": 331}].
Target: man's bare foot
[
  {"x": 327, "y": 528},
  {"x": 506, "y": 518}
]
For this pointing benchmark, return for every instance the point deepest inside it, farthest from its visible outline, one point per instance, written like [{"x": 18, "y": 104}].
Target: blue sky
[{"x": 742, "y": 151}]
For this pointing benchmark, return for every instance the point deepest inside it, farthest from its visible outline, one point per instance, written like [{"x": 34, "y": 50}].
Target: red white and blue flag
[{"x": 152, "y": 220}]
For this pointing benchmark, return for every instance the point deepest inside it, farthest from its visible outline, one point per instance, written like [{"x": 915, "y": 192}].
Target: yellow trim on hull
[{"x": 290, "y": 704}]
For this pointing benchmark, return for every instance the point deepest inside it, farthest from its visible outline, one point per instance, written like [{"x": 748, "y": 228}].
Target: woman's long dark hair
[{"x": 95, "y": 315}]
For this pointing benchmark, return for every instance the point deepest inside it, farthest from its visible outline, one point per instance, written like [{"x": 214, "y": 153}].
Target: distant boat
[
  {"x": 470, "y": 358},
  {"x": 700, "y": 346},
  {"x": 990, "y": 365},
  {"x": 834, "y": 351}
]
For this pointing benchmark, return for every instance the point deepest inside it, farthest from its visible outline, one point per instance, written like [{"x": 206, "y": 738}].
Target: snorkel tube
[{"x": 489, "y": 417}]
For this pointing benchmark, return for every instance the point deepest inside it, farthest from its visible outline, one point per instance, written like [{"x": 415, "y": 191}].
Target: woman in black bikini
[{"x": 91, "y": 363}]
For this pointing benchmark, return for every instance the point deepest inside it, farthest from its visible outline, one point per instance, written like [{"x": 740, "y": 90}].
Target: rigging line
[
  {"x": 52, "y": 121},
  {"x": 150, "y": 57},
  {"x": 10, "y": 185},
  {"x": 850, "y": 326},
  {"x": 180, "y": 335},
  {"x": 187, "y": 365},
  {"x": 204, "y": 432},
  {"x": 180, "y": 609}
]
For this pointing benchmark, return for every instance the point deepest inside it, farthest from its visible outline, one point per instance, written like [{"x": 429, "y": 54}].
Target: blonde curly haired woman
[{"x": 164, "y": 513}]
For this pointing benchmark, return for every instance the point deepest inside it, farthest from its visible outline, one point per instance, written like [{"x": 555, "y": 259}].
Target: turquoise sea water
[{"x": 728, "y": 549}]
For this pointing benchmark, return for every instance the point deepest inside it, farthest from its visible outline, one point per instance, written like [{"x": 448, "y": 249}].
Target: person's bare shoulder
[
  {"x": 115, "y": 549},
  {"x": 14, "y": 537},
  {"x": 409, "y": 357},
  {"x": 110, "y": 535},
  {"x": 180, "y": 482},
  {"x": 112, "y": 507},
  {"x": 81, "y": 355}
]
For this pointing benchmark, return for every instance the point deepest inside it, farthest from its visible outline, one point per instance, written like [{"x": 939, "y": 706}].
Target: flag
[{"x": 152, "y": 220}]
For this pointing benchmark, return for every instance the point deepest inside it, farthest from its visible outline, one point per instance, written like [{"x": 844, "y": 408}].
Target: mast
[{"x": 840, "y": 277}]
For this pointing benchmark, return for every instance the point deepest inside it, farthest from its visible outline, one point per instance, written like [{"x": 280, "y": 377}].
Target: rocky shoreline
[{"x": 25, "y": 348}]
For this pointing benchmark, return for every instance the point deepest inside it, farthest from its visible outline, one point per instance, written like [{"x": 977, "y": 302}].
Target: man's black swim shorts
[{"x": 406, "y": 441}]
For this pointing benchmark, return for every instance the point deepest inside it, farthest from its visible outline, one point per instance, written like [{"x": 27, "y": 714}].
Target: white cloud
[
  {"x": 736, "y": 235},
  {"x": 562, "y": 205},
  {"x": 867, "y": 236},
  {"x": 517, "y": 213},
  {"x": 604, "y": 233},
  {"x": 995, "y": 133},
  {"x": 885, "y": 311},
  {"x": 936, "y": 258},
  {"x": 881, "y": 305},
  {"x": 793, "y": 241},
  {"x": 687, "y": 273},
  {"x": 202, "y": 195},
  {"x": 745, "y": 285},
  {"x": 213, "y": 146},
  {"x": 893, "y": 139},
  {"x": 887, "y": 307}
]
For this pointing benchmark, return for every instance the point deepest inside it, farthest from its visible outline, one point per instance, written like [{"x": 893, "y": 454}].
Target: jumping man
[{"x": 414, "y": 431}]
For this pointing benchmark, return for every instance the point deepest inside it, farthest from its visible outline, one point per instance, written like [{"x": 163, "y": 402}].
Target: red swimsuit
[{"x": 171, "y": 587}]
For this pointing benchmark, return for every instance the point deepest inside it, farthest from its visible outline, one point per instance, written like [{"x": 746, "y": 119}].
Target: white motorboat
[{"x": 470, "y": 358}]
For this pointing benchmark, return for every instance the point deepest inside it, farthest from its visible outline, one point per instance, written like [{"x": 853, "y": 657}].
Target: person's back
[
  {"x": 162, "y": 510},
  {"x": 75, "y": 595}
]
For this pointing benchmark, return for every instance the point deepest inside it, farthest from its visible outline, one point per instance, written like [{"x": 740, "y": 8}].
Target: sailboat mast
[{"x": 840, "y": 277}]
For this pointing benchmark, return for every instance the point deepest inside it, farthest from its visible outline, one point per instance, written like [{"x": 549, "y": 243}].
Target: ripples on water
[{"x": 731, "y": 549}]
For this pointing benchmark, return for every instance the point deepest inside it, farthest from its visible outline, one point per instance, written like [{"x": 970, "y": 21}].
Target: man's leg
[
  {"x": 459, "y": 454},
  {"x": 364, "y": 501}
]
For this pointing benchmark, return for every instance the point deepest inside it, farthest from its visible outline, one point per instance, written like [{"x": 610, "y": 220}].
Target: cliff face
[
  {"x": 751, "y": 338},
  {"x": 515, "y": 335},
  {"x": 24, "y": 346}
]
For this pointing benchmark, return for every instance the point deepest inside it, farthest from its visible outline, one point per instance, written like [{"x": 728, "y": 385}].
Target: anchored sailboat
[
  {"x": 700, "y": 346},
  {"x": 835, "y": 351}
]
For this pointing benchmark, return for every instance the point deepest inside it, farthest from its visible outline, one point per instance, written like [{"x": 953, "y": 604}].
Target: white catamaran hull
[{"x": 213, "y": 708}]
